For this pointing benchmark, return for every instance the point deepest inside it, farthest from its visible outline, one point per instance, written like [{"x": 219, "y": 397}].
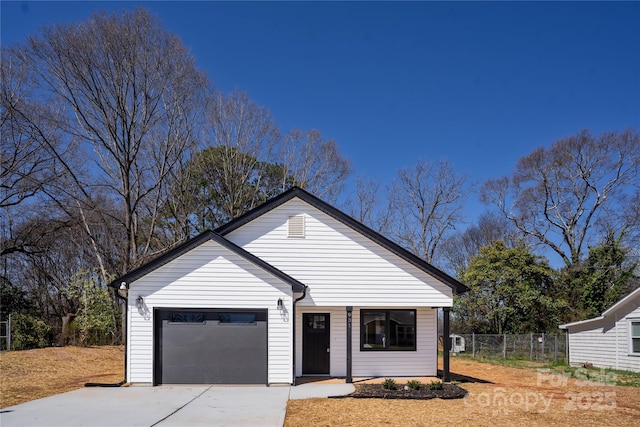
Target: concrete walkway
[
  {"x": 313, "y": 390},
  {"x": 165, "y": 406}
]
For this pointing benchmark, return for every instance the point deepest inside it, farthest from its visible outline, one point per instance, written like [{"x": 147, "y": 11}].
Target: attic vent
[{"x": 296, "y": 226}]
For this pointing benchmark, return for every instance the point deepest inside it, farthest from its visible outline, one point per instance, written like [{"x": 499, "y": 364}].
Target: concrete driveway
[{"x": 164, "y": 406}]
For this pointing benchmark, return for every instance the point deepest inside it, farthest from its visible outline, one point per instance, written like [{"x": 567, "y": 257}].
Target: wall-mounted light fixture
[
  {"x": 139, "y": 302},
  {"x": 280, "y": 304},
  {"x": 123, "y": 290}
]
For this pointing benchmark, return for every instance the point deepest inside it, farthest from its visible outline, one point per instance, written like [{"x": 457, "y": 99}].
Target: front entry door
[{"x": 315, "y": 344}]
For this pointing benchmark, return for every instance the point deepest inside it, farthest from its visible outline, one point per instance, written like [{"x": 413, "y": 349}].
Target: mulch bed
[{"x": 369, "y": 391}]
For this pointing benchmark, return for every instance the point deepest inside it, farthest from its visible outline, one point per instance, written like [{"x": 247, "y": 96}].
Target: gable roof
[
  {"x": 185, "y": 247},
  {"x": 608, "y": 312},
  {"x": 309, "y": 198}
]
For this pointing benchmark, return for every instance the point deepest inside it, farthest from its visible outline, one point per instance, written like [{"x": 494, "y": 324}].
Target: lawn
[
  {"x": 32, "y": 374},
  {"x": 623, "y": 378},
  {"x": 498, "y": 395}
]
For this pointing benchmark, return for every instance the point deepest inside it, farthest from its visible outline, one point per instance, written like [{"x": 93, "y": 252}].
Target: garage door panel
[{"x": 212, "y": 347}]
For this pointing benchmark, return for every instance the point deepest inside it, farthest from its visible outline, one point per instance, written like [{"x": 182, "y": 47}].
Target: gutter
[
  {"x": 304, "y": 294},
  {"x": 124, "y": 335}
]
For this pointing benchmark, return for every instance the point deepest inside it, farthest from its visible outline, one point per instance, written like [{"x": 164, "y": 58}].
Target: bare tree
[
  {"x": 316, "y": 164},
  {"x": 366, "y": 205},
  {"x": 101, "y": 125},
  {"x": 131, "y": 90},
  {"x": 36, "y": 160},
  {"x": 427, "y": 204},
  {"x": 457, "y": 249},
  {"x": 244, "y": 162},
  {"x": 246, "y": 134},
  {"x": 28, "y": 160},
  {"x": 228, "y": 175},
  {"x": 557, "y": 195},
  {"x": 633, "y": 214}
]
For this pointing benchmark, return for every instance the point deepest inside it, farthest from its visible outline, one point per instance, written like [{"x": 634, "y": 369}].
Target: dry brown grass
[
  {"x": 33, "y": 374},
  {"x": 510, "y": 396}
]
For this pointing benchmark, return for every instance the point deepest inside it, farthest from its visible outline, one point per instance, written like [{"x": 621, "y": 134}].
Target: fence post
[
  {"x": 473, "y": 344},
  {"x": 5, "y": 333},
  {"x": 555, "y": 348},
  {"x": 504, "y": 347},
  {"x": 543, "y": 343},
  {"x": 531, "y": 347}
]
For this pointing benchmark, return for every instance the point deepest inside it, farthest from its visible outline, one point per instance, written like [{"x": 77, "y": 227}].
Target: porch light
[
  {"x": 123, "y": 290},
  {"x": 280, "y": 304},
  {"x": 139, "y": 302}
]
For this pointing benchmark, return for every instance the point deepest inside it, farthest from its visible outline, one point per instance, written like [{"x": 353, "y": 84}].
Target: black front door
[{"x": 315, "y": 344}]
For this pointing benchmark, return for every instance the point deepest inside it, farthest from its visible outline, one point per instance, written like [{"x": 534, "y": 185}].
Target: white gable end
[
  {"x": 209, "y": 276},
  {"x": 339, "y": 265}
]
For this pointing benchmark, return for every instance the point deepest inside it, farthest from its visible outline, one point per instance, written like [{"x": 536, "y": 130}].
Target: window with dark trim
[
  {"x": 237, "y": 318},
  {"x": 387, "y": 330},
  {"x": 178, "y": 317},
  {"x": 634, "y": 336}
]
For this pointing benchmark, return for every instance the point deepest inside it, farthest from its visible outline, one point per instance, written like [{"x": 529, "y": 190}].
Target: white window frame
[{"x": 630, "y": 322}]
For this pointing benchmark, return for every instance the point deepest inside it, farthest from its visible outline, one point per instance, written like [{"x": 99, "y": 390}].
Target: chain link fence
[
  {"x": 535, "y": 347},
  {"x": 5, "y": 334}
]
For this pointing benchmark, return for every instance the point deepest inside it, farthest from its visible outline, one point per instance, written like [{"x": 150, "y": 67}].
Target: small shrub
[
  {"x": 436, "y": 385},
  {"x": 95, "y": 318},
  {"x": 28, "y": 332},
  {"x": 414, "y": 384},
  {"x": 389, "y": 384}
]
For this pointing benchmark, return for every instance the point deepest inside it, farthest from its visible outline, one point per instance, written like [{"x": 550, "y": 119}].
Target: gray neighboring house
[{"x": 608, "y": 341}]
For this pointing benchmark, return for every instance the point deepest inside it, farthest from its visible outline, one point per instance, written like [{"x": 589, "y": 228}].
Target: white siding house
[
  {"x": 294, "y": 287},
  {"x": 611, "y": 340}
]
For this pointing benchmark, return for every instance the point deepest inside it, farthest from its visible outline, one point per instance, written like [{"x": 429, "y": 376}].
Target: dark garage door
[{"x": 210, "y": 346}]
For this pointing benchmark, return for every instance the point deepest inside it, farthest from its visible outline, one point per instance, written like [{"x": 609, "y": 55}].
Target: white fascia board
[
  {"x": 581, "y": 322},
  {"x": 607, "y": 312},
  {"x": 623, "y": 301}
]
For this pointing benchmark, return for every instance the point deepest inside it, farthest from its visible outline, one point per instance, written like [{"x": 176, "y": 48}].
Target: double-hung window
[
  {"x": 634, "y": 336},
  {"x": 387, "y": 330}
]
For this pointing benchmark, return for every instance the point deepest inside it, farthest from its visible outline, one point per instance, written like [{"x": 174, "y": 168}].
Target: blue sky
[{"x": 479, "y": 83}]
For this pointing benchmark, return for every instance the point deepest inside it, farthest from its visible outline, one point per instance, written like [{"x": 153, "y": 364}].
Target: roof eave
[
  {"x": 181, "y": 249},
  {"x": 608, "y": 312},
  {"x": 622, "y": 302},
  {"x": 581, "y": 322}
]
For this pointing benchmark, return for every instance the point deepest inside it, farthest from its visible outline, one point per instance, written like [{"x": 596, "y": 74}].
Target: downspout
[
  {"x": 124, "y": 336},
  {"x": 295, "y": 301},
  {"x": 567, "y": 349},
  {"x": 615, "y": 326}
]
